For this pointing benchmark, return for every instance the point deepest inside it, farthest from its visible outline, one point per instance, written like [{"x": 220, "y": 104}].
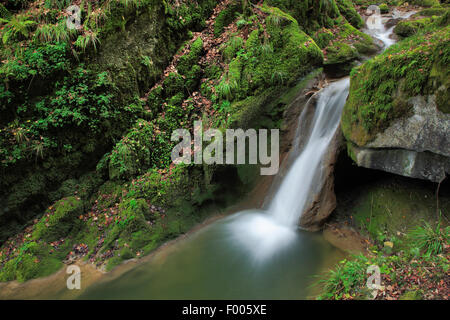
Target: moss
[
  {"x": 231, "y": 48},
  {"x": 409, "y": 28},
  {"x": 28, "y": 267},
  {"x": 429, "y": 12},
  {"x": 425, "y": 3},
  {"x": 322, "y": 37},
  {"x": 384, "y": 8},
  {"x": 310, "y": 14},
  {"x": 133, "y": 154},
  {"x": 340, "y": 52},
  {"x": 380, "y": 88},
  {"x": 187, "y": 61},
  {"x": 343, "y": 43},
  {"x": 279, "y": 59},
  {"x": 347, "y": 9},
  {"x": 59, "y": 220},
  {"x": 226, "y": 16},
  {"x": 412, "y": 295}
]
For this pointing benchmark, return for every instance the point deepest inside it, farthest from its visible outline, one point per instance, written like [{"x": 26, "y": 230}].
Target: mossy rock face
[
  {"x": 133, "y": 153},
  {"x": 59, "y": 220},
  {"x": 380, "y": 88},
  {"x": 310, "y": 14},
  {"x": 32, "y": 261},
  {"x": 409, "y": 28},
  {"x": 347, "y": 9}
]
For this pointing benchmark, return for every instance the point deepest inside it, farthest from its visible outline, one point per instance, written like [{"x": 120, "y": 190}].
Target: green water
[{"x": 213, "y": 264}]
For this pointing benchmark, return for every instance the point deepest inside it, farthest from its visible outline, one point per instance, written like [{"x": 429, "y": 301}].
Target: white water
[
  {"x": 265, "y": 232},
  {"x": 291, "y": 198},
  {"x": 379, "y": 30}
]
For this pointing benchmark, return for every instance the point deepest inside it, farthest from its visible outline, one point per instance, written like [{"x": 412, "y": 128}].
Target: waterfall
[
  {"x": 264, "y": 233},
  {"x": 291, "y": 197}
]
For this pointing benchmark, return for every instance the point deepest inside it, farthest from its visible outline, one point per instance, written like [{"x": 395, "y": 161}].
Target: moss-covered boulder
[
  {"x": 409, "y": 28},
  {"x": 59, "y": 220},
  {"x": 347, "y": 9},
  {"x": 395, "y": 116},
  {"x": 133, "y": 153},
  {"x": 310, "y": 14},
  {"x": 384, "y": 8},
  {"x": 32, "y": 261}
]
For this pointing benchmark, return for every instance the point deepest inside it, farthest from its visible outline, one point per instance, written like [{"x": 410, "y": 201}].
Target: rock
[
  {"x": 416, "y": 146},
  {"x": 323, "y": 198}
]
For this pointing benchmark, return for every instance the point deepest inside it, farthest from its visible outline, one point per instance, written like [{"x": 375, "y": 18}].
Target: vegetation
[
  {"x": 380, "y": 87},
  {"x": 87, "y": 116},
  {"x": 403, "y": 236}
]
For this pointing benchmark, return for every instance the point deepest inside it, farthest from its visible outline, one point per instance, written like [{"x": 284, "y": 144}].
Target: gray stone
[{"x": 416, "y": 146}]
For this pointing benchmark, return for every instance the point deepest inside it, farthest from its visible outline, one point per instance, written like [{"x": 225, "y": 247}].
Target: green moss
[
  {"x": 59, "y": 220},
  {"x": 232, "y": 47},
  {"x": 384, "y": 8},
  {"x": 133, "y": 154},
  {"x": 33, "y": 260},
  {"x": 226, "y": 16},
  {"x": 380, "y": 88},
  {"x": 266, "y": 62},
  {"x": 187, "y": 61},
  {"x": 340, "y": 52},
  {"x": 322, "y": 37},
  {"x": 425, "y": 3},
  {"x": 409, "y": 28},
  {"x": 412, "y": 295},
  {"x": 429, "y": 12},
  {"x": 310, "y": 14},
  {"x": 347, "y": 9}
]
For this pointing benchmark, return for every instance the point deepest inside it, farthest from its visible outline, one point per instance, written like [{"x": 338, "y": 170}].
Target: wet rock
[{"x": 323, "y": 198}]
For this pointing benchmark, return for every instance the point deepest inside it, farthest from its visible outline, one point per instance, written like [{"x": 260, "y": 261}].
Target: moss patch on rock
[{"x": 380, "y": 88}]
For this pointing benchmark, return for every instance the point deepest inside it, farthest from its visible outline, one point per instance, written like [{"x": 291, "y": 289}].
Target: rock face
[
  {"x": 323, "y": 198},
  {"x": 417, "y": 146}
]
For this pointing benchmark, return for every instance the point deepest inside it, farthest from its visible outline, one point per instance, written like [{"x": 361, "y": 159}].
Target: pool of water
[{"x": 219, "y": 263}]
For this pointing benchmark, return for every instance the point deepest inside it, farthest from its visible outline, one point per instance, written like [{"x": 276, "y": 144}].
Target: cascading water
[
  {"x": 291, "y": 198},
  {"x": 256, "y": 254},
  {"x": 263, "y": 233}
]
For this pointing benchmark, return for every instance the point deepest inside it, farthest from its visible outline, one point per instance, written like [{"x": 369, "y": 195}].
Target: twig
[{"x": 437, "y": 197}]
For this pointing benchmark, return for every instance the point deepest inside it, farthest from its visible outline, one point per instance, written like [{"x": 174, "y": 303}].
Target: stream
[{"x": 252, "y": 254}]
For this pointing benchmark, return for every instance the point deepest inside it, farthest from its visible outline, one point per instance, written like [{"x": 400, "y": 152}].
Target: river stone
[{"x": 416, "y": 146}]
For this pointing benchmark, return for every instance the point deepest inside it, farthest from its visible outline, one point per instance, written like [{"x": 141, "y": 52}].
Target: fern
[
  {"x": 16, "y": 25},
  {"x": 88, "y": 39},
  {"x": 52, "y": 32}
]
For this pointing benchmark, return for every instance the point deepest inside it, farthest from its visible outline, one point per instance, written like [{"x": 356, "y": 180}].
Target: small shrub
[{"x": 431, "y": 240}]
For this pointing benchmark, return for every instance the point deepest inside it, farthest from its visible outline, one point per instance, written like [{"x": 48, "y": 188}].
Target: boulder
[{"x": 416, "y": 146}]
